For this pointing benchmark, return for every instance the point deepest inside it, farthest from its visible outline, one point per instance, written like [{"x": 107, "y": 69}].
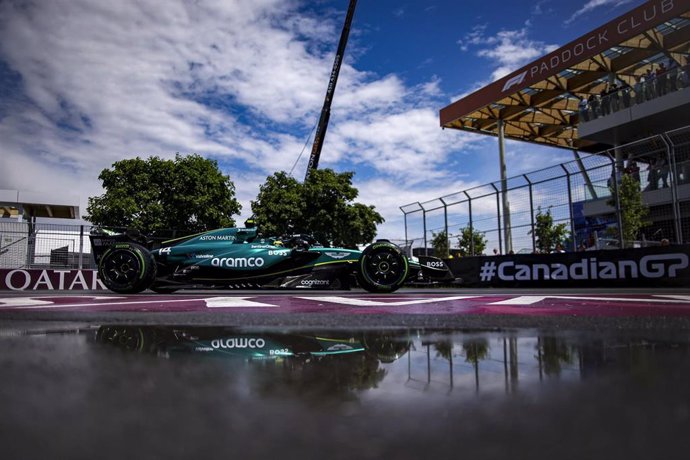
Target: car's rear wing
[{"x": 103, "y": 239}]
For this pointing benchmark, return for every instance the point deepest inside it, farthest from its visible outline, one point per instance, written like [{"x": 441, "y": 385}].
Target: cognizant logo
[
  {"x": 237, "y": 262},
  {"x": 315, "y": 282},
  {"x": 650, "y": 266}
]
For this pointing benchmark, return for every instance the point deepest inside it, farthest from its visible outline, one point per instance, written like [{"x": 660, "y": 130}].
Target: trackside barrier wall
[
  {"x": 576, "y": 193},
  {"x": 660, "y": 266},
  {"x": 49, "y": 280}
]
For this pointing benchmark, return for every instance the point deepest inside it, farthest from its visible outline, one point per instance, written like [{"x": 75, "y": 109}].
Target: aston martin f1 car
[{"x": 238, "y": 257}]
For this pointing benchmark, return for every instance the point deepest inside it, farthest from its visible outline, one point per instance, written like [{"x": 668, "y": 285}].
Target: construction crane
[{"x": 326, "y": 110}]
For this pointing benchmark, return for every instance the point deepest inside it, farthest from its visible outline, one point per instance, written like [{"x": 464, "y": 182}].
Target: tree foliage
[
  {"x": 547, "y": 233},
  {"x": 189, "y": 194},
  {"x": 440, "y": 244},
  {"x": 322, "y": 206},
  {"x": 634, "y": 212},
  {"x": 471, "y": 242}
]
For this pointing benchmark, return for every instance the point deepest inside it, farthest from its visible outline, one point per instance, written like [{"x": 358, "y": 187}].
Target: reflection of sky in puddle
[
  {"x": 428, "y": 371},
  {"x": 389, "y": 366},
  {"x": 529, "y": 395}
]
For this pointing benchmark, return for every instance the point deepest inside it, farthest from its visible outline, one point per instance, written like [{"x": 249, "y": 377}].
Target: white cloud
[
  {"x": 592, "y": 5},
  {"x": 241, "y": 82},
  {"x": 507, "y": 50}
]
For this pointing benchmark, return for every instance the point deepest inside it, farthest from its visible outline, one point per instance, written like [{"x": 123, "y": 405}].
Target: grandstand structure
[
  {"x": 29, "y": 239},
  {"x": 620, "y": 93}
]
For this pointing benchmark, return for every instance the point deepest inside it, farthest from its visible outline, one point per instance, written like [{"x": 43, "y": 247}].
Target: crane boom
[{"x": 326, "y": 110}]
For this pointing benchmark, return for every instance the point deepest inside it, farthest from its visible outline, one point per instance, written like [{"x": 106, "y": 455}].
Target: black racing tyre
[
  {"x": 382, "y": 267},
  {"x": 127, "y": 268}
]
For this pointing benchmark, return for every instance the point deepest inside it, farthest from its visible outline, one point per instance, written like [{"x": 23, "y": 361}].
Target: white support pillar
[{"x": 508, "y": 239}]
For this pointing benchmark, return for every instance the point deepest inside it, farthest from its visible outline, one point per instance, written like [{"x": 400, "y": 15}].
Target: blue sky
[{"x": 85, "y": 83}]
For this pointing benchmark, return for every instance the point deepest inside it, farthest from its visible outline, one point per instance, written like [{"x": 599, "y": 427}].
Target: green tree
[
  {"x": 554, "y": 352},
  {"x": 633, "y": 210},
  {"x": 322, "y": 206},
  {"x": 471, "y": 242},
  {"x": 547, "y": 233},
  {"x": 189, "y": 194},
  {"x": 440, "y": 244},
  {"x": 279, "y": 208}
]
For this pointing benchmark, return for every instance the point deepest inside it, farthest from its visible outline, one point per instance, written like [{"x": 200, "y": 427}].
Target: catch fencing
[
  {"x": 577, "y": 193},
  {"x": 29, "y": 245}
]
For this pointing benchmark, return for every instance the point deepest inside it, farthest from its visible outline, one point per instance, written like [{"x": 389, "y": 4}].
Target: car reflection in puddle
[{"x": 348, "y": 394}]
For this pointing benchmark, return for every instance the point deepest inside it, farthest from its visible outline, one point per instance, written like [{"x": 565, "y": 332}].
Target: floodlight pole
[
  {"x": 504, "y": 189},
  {"x": 326, "y": 110}
]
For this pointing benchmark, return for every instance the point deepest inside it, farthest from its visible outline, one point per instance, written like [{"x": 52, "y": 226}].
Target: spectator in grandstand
[
  {"x": 558, "y": 249},
  {"x": 639, "y": 89},
  {"x": 665, "y": 242},
  {"x": 496, "y": 253},
  {"x": 662, "y": 170},
  {"x": 582, "y": 247},
  {"x": 583, "y": 107},
  {"x": 605, "y": 102},
  {"x": 652, "y": 176},
  {"x": 650, "y": 84},
  {"x": 633, "y": 170},
  {"x": 684, "y": 76},
  {"x": 672, "y": 74},
  {"x": 593, "y": 102},
  {"x": 625, "y": 90},
  {"x": 613, "y": 97},
  {"x": 661, "y": 80}
]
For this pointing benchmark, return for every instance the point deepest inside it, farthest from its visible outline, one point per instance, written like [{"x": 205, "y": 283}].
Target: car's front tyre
[
  {"x": 127, "y": 268},
  {"x": 382, "y": 267}
]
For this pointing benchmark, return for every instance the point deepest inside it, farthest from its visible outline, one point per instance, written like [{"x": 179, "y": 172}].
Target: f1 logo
[{"x": 516, "y": 80}]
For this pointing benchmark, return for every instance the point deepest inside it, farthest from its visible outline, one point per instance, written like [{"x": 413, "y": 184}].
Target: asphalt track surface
[
  {"x": 561, "y": 309},
  {"x": 490, "y": 374}
]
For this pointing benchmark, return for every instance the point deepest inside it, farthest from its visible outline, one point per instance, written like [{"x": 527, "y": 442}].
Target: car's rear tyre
[
  {"x": 127, "y": 268},
  {"x": 382, "y": 267}
]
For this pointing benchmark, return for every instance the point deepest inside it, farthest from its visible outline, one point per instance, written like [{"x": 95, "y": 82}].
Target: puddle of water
[{"x": 361, "y": 393}]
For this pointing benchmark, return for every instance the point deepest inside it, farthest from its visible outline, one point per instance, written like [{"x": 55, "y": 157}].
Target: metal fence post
[
  {"x": 498, "y": 211},
  {"x": 81, "y": 247},
  {"x": 570, "y": 207},
  {"x": 671, "y": 161},
  {"x": 445, "y": 225},
  {"x": 531, "y": 213},
  {"x": 424, "y": 222},
  {"x": 619, "y": 214},
  {"x": 469, "y": 206}
]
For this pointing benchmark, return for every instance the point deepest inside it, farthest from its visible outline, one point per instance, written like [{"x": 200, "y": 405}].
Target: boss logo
[{"x": 435, "y": 264}]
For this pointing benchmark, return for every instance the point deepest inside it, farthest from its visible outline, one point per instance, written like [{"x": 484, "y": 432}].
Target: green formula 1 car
[{"x": 239, "y": 258}]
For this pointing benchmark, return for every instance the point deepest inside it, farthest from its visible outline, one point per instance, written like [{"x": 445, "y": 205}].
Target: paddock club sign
[
  {"x": 50, "y": 280},
  {"x": 651, "y": 267},
  {"x": 630, "y": 24}
]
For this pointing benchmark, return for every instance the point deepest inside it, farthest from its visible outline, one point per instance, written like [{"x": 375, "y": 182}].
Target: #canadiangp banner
[
  {"x": 49, "y": 279},
  {"x": 650, "y": 267}
]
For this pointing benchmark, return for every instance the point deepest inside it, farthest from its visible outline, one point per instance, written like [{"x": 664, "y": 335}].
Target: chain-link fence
[
  {"x": 583, "y": 194},
  {"x": 39, "y": 245}
]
